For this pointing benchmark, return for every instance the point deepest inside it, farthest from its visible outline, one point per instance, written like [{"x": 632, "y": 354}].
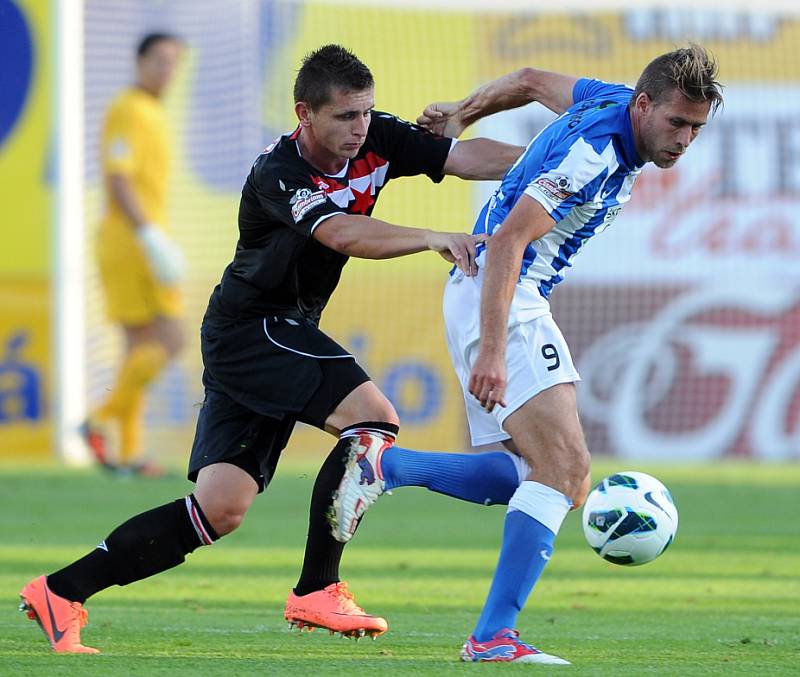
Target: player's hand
[
  {"x": 487, "y": 382},
  {"x": 458, "y": 248},
  {"x": 165, "y": 258},
  {"x": 442, "y": 118}
]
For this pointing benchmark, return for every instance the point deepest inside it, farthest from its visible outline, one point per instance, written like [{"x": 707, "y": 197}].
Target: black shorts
[{"x": 260, "y": 378}]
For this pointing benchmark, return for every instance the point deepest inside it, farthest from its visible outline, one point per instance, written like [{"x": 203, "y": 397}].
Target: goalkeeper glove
[{"x": 165, "y": 259}]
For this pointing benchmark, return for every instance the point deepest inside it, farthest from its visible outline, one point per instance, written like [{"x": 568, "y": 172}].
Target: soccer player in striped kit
[{"x": 514, "y": 366}]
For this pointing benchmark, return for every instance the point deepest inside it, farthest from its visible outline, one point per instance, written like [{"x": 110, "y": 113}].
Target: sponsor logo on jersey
[
  {"x": 556, "y": 188},
  {"x": 304, "y": 200}
]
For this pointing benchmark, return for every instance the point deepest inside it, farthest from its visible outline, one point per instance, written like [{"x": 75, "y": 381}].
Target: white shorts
[{"x": 537, "y": 358}]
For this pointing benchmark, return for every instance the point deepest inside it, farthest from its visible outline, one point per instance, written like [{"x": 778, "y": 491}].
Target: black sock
[
  {"x": 323, "y": 551},
  {"x": 147, "y": 544}
]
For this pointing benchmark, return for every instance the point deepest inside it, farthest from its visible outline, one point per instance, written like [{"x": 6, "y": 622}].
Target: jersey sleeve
[
  {"x": 410, "y": 149},
  {"x": 120, "y": 141},
  {"x": 294, "y": 200},
  {"x": 565, "y": 180},
  {"x": 587, "y": 88}
]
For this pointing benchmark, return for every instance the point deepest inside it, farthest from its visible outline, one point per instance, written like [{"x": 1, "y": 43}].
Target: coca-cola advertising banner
[
  {"x": 684, "y": 316},
  {"x": 686, "y": 373}
]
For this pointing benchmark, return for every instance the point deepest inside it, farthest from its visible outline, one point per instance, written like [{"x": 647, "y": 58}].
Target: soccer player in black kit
[{"x": 305, "y": 208}]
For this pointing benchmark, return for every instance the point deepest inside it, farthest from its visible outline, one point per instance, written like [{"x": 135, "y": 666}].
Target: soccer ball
[{"x": 630, "y": 518}]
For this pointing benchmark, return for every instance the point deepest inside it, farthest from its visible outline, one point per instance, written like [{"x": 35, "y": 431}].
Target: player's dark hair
[
  {"x": 691, "y": 70},
  {"x": 152, "y": 39},
  {"x": 328, "y": 67}
]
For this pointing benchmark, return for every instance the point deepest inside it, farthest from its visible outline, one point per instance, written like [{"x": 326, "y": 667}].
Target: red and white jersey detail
[{"x": 365, "y": 177}]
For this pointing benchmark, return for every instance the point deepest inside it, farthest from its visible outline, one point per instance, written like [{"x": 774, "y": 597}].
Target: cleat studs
[{"x": 331, "y": 632}]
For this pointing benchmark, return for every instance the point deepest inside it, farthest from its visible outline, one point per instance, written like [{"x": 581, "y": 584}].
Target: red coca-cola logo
[{"x": 714, "y": 372}]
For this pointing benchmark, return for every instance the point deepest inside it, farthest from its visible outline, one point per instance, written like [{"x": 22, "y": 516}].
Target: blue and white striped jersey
[{"x": 581, "y": 168}]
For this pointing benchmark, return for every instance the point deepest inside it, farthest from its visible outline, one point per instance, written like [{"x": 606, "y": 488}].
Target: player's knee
[
  {"x": 365, "y": 403},
  {"x": 381, "y": 409},
  {"x": 225, "y": 520},
  {"x": 582, "y": 492},
  {"x": 576, "y": 472},
  {"x": 224, "y": 516},
  {"x": 390, "y": 416}
]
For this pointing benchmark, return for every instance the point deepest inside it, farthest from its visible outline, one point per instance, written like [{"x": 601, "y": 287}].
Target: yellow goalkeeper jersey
[{"x": 135, "y": 143}]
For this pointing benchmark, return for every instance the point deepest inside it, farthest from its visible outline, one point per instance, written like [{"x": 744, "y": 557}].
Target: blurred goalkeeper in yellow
[{"x": 139, "y": 264}]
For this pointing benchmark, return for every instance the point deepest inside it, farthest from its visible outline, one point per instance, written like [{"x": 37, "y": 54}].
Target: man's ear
[
  {"x": 643, "y": 102},
  {"x": 303, "y": 112}
]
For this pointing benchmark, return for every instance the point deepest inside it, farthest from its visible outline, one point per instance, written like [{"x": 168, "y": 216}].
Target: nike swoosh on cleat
[{"x": 57, "y": 634}]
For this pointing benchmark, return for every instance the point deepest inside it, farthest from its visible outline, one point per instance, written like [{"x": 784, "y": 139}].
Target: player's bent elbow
[{"x": 529, "y": 82}]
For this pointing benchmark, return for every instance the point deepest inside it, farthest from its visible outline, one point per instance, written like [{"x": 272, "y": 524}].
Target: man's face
[
  {"x": 157, "y": 66},
  {"x": 340, "y": 126},
  {"x": 667, "y": 127}
]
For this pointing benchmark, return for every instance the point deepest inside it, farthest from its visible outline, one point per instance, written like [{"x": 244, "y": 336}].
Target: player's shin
[
  {"x": 535, "y": 514},
  {"x": 145, "y": 545},
  {"x": 488, "y": 478}
]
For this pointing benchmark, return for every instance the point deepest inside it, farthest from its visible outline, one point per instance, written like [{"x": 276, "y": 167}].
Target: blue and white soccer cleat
[
  {"x": 506, "y": 647},
  {"x": 361, "y": 484}
]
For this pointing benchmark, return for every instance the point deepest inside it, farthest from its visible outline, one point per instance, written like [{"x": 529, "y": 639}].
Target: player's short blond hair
[{"x": 691, "y": 70}]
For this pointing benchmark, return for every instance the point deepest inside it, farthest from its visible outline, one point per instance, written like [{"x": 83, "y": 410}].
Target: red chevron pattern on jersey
[{"x": 365, "y": 176}]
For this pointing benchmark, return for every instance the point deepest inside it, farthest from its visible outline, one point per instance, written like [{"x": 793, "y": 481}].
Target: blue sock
[
  {"x": 527, "y": 545},
  {"x": 488, "y": 478}
]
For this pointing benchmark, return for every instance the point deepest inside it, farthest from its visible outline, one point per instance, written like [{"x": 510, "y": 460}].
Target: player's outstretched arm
[
  {"x": 481, "y": 159},
  {"x": 368, "y": 238},
  {"x": 553, "y": 90}
]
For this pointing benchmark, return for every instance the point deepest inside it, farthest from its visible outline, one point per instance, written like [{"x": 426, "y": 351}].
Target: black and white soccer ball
[{"x": 630, "y": 518}]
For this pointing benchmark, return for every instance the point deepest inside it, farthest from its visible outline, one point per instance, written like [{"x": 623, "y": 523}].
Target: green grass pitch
[{"x": 724, "y": 600}]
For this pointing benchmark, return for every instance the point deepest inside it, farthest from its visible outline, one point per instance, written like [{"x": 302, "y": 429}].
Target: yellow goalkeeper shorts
[{"x": 133, "y": 295}]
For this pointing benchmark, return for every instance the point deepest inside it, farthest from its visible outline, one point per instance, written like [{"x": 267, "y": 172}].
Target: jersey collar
[{"x": 339, "y": 175}]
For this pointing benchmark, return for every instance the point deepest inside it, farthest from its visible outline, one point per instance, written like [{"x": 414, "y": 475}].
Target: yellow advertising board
[{"x": 25, "y": 193}]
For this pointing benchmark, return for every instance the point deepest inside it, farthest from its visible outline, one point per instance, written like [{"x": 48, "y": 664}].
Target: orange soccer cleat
[
  {"x": 334, "y": 609},
  {"x": 60, "y": 620}
]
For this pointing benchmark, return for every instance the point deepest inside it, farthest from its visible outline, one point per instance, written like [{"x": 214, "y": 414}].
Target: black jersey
[{"x": 279, "y": 268}]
